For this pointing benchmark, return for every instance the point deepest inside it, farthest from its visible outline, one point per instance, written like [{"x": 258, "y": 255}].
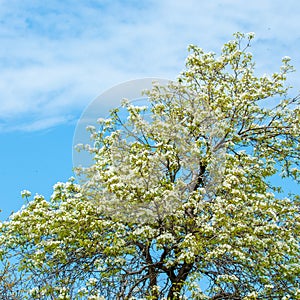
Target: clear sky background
[{"x": 57, "y": 56}]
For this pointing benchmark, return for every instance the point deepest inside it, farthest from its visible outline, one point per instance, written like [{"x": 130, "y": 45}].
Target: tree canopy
[{"x": 181, "y": 199}]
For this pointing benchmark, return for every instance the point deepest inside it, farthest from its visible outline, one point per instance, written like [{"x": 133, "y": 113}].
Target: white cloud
[{"x": 58, "y": 56}]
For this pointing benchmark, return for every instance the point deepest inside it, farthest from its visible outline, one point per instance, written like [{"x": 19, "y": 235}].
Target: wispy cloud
[{"x": 57, "y": 56}]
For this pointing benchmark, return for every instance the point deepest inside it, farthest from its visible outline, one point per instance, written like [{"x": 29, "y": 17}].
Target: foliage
[{"x": 180, "y": 200}]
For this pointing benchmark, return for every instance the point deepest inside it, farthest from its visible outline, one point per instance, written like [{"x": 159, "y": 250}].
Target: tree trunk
[{"x": 178, "y": 282}]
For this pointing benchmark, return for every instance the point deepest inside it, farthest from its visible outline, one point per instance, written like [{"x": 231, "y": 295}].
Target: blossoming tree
[{"x": 181, "y": 199}]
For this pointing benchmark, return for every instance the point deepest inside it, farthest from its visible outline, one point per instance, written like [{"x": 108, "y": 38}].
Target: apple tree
[{"x": 186, "y": 197}]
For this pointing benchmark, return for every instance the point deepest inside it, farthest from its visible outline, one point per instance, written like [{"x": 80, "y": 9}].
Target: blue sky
[{"x": 57, "y": 56}]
